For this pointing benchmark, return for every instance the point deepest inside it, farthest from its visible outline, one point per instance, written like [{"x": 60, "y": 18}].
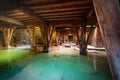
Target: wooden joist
[
  {"x": 55, "y": 19},
  {"x": 83, "y": 50},
  {"x": 77, "y": 34},
  {"x": 50, "y": 2},
  {"x": 17, "y": 14},
  {"x": 59, "y": 16},
  {"x": 10, "y": 20},
  {"x": 64, "y": 13},
  {"x": 57, "y": 5},
  {"x": 7, "y": 33},
  {"x": 29, "y": 12},
  {"x": 59, "y": 22},
  {"x": 61, "y": 9}
]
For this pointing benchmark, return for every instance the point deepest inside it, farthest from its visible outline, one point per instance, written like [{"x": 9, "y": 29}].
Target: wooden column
[
  {"x": 45, "y": 33},
  {"x": 83, "y": 50},
  {"x": 2, "y": 41},
  {"x": 5, "y": 36},
  {"x": 32, "y": 36},
  {"x": 89, "y": 34},
  {"x": 108, "y": 16},
  {"x": 77, "y": 34},
  {"x": 7, "y": 32},
  {"x": 10, "y": 32},
  {"x": 51, "y": 33},
  {"x": 30, "y": 33},
  {"x": 85, "y": 40},
  {"x": 53, "y": 40}
]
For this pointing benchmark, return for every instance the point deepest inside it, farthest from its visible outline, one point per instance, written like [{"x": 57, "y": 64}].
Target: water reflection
[
  {"x": 54, "y": 67},
  {"x": 94, "y": 63},
  {"x": 100, "y": 62},
  {"x": 10, "y": 63}
]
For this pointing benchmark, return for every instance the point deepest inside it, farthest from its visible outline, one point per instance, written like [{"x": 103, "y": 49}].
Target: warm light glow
[{"x": 67, "y": 28}]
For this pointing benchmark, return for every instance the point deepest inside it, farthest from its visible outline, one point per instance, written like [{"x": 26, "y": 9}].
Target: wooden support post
[
  {"x": 2, "y": 41},
  {"x": 85, "y": 40},
  {"x": 78, "y": 38},
  {"x": 11, "y": 33},
  {"x": 45, "y": 37},
  {"x": 54, "y": 37},
  {"x": 5, "y": 36},
  {"x": 32, "y": 36},
  {"x": 83, "y": 50},
  {"x": 63, "y": 37},
  {"x": 46, "y": 44},
  {"x": 43, "y": 34},
  {"x": 51, "y": 33},
  {"x": 48, "y": 38},
  {"x": 89, "y": 34},
  {"x": 10, "y": 20},
  {"x": 30, "y": 33},
  {"x": 108, "y": 16},
  {"x": 7, "y": 32}
]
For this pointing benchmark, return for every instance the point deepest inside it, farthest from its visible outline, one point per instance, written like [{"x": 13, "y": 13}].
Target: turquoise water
[{"x": 26, "y": 65}]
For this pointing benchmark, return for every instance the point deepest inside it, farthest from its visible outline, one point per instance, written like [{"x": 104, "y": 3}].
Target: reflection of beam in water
[
  {"x": 94, "y": 63},
  {"x": 10, "y": 64}
]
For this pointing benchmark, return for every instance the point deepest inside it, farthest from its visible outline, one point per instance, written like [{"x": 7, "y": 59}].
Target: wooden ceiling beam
[
  {"x": 78, "y": 17},
  {"x": 74, "y": 14},
  {"x": 83, "y": 10},
  {"x": 53, "y": 5},
  {"x": 24, "y": 16},
  {"x": 61, "y": 9},
  {"x": 91, "y": 17},
  {"x": 65, "y": 19},
  {"x": 24, "y": 9},
  {"x": 91, "y": 12},
  {"x": 26, "y": 19},
  {"x": 9, "y": 25},
  {"x": 16, "y": 14},
  {"x": 10, "y": 20},
  {"x": 69, "y": 28},
  {"x": 46, "y": 2},
  {"x": 63, "y": 16},
  {"x": 59, "y": 22},
  {"x": 63, "y": 13},
  {"x": 92, "y": 20},
  {"x": 63, "y": 25},
  {"x": 12, "y": 11}
]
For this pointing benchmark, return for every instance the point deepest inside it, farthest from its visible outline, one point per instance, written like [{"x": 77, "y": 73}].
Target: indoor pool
[{"x": 17, "y": 64}]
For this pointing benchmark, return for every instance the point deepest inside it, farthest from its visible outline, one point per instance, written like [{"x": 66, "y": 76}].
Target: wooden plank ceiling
[{"x": 48, "y": 11}]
